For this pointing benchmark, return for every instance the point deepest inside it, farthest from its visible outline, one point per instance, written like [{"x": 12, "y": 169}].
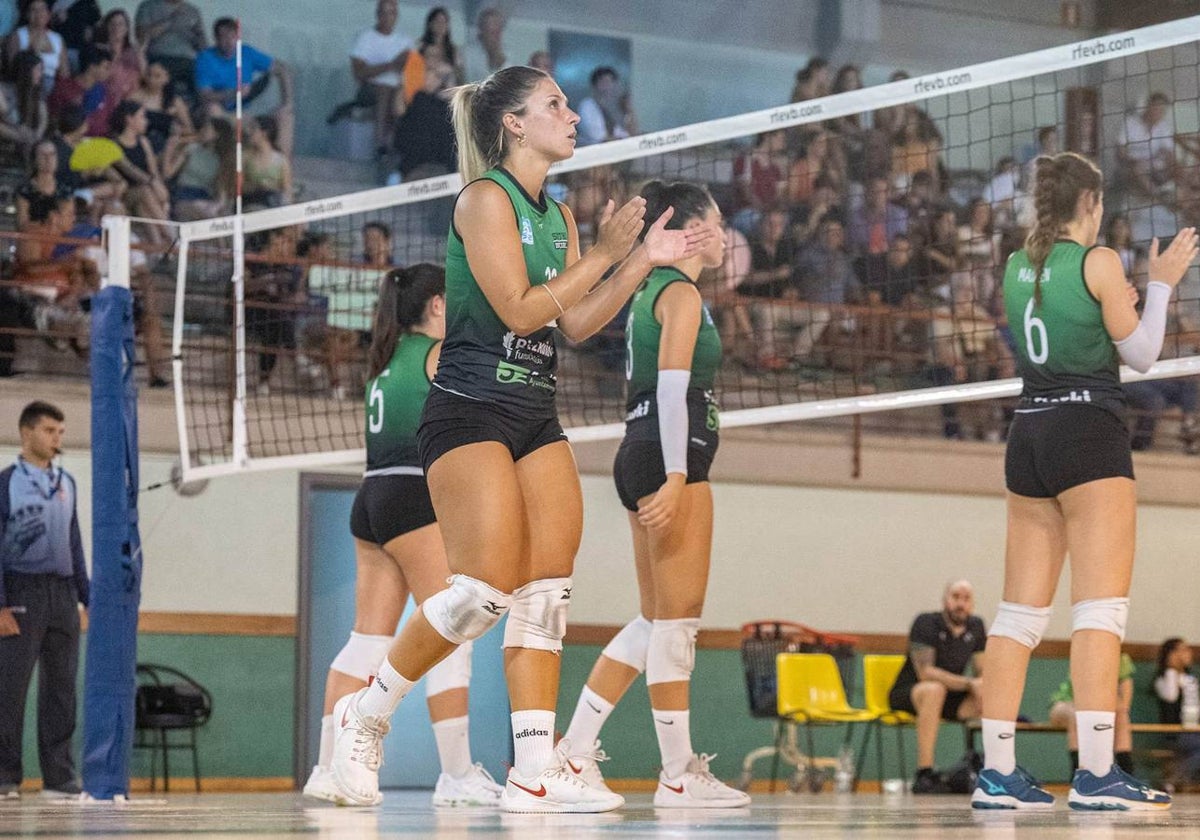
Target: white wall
[{"x": 838, "y": 559}]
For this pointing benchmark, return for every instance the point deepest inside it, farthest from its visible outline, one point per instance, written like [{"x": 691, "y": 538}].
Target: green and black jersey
[
  {"x": 395, "y": 400},
  {"x": 1064, "y": 353},
  {"x": 481, "y": 358},
  {"x": 643, "y": 337}
]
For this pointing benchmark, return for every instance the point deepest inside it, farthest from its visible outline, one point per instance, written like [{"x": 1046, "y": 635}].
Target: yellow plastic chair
[
  {"x": 879, "y": 675},
  {"x": 810, "y": 691}
]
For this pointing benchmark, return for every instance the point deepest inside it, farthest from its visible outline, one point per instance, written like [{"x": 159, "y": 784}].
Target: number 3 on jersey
[
  {"x": 1035, "y": 325},
  {"x": 375, "y": 409}
]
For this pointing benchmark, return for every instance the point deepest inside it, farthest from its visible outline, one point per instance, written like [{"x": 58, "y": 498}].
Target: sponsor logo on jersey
[
  {"x": 526, "y": 232},
  {"x": 513, "y": 374},
  {"x": 531, "y": 351},
  {"x": 639, "y": 411},
  {"x": 1026, "y": 275},
  {"x": 560, "y": 242},
  {"x": 1072, "y": 397},
  {"x": 713, "y": 421}
]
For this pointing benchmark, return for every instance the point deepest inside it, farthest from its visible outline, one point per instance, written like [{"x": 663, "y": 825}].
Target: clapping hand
[{"x": 667, "y": 247}]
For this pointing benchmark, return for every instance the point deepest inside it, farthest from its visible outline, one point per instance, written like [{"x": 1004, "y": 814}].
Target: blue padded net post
[{"x": 110, "y": 673}]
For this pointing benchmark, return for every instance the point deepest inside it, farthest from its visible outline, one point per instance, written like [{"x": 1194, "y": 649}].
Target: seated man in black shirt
[{"x": 933, "y": 684}]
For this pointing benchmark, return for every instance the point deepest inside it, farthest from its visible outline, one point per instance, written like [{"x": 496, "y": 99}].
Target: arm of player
[
  {"x": 923, "y": 658},
  {"x": 484, "y": 219},
  {"x": 678, "y": 309},
  {"x": 659, "y": 247}
]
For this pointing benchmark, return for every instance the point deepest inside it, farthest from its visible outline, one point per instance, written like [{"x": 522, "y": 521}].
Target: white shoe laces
[
  {"x": 368, "y": 742},
  {"x": 700, "y": 769},
  {"x": 484, "y": 776}
]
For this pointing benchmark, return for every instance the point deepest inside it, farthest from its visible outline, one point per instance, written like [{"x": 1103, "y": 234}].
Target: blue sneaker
[
  {"x": 1017, "y": 790},
  {"x": 1114, "y": 791}
]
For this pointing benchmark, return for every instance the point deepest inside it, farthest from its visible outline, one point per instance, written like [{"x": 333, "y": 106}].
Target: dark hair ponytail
[
  {"x": 403, "y": 295},
  {"x": 1060, "y": 180},
  {"x": 691, "y": 201}
]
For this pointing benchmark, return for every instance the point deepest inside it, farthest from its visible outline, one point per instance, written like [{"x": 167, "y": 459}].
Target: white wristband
[
  {"x": 1141, "y": 347},
  {"x": 673, "y": 418}
]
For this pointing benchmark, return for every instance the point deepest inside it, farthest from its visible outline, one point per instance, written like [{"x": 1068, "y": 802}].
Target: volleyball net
[{"x": 867, "y": 233}]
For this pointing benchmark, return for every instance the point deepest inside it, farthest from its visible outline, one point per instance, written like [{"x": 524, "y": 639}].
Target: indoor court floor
[{"x": 408, "y": 814}]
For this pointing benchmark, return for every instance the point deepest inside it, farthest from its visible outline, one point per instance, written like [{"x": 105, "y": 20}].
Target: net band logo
[
  {"x": 510, "y": 374},
  {"x": 944, "y": 81},
  {"x": 1103, "y": 47},
  {"x": 791, "y": 113},
  {"x": 663, "y": 140}
]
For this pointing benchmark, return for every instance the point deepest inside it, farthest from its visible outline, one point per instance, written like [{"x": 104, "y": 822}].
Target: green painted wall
[{"x": 252, "y": 680}]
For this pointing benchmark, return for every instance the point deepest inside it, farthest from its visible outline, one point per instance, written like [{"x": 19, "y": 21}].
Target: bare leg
[{"x": 928, "y": 697}]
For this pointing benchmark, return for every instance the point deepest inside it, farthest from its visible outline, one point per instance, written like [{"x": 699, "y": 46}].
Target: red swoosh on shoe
[
  {"x": 678, "y": 790},
  {"x": 574, "y": 769},
  {"x": 540, "y": 792}
]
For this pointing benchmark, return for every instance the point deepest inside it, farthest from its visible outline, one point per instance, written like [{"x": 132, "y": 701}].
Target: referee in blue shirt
[{"x": 42, "y": 579}]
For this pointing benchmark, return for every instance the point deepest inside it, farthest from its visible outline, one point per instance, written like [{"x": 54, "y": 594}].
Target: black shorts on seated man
[{"x": 934, "y": 684}]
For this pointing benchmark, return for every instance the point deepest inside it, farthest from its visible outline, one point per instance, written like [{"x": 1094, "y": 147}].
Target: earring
[{"x": 521, "y": 139}]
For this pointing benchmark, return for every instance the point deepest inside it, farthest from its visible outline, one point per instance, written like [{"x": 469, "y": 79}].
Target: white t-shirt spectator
[
  {"x": 373, "y": 47},
  {"x": 592, "y": 127},
  {"x": 1151, "y": 145}
]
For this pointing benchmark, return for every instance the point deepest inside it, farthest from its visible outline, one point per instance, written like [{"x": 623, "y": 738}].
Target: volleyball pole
[{"x": 238, "y": 414}]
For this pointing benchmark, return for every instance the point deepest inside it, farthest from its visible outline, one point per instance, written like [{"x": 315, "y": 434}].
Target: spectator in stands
[
  {"x": 437, "y": 33},
  {"x": 42, "y": 183},
  {"x": 917, "y": 147},
  {"x": 893, "y": 276},
  {"x": 274, "y": 293},
  {"x": 166, "y": 112},
  {"x": 128, "y": 59},
  {"x": 484, "y": 53},
  {"x": 918, "y": 203},
  {"x": 1118, "y": 235},
  {"x": 873, "y": 225},
  {"x": 377, "y": 60},
  {"x": 848, "y": 128},
  {"x": 605, "y": 115},
  {"x": 36, "y": 35},
  {"x": 1062, "y": 713},
  {"x": 761, "y": 179},
  {"x": 59, "y": 284},
  {"x": 768, "y": 281},
  {"x": 806, "y": 217},
  {"x": 1148, "y": 165},
  {"x": 826, "y": 281},
  {"x": 943, "y": 254},
  {"x": 100, "y": 184},
  {"x": 812, "y": 80},
  {"x": 8, "y": 17},
  {"x": 439, "y": 77},
  {"x": 75, "y": 21},
  {"x": 173, "y": 33},
  {"x": 589, "y": 190},
  {"x": 425, "y": 134},
  {"x": 201, "y": 172},
  {"x": 821, "y": 156},
  {"x": 23, "y": 113},
  {"x": 968, "y": 347},
  {"x": 216, "y": 80},
  {"x": 1001, "y": 192},
  {"x": 1175, "y": 687},
  {"x": 979, "y": 249},
  {"x": 377, "y": 245},
  {"x": 267, "y": 173},
  {"x": 933, "y": 684},
  {"x": 87, "y": 90},
  {"x": 147, "y": 194},
  {"x": 542, "y": 60}
]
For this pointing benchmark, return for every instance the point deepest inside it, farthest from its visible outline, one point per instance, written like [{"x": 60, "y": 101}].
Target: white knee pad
[
  {"x": 1107, "y": 614},
  {"x": 1021, "y": 623},
  {"x": 466, "y": 610},
  {"x": 672, "y": 652},
  {"x": 452, "y": 672},
  {"x": 362, "y": 656},
  {"x": 538, "y": 618},
  {"x": 631, "y": 644}
]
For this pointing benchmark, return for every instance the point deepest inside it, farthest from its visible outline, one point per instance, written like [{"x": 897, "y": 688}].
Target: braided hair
[{"x": 1060, "y": 180}]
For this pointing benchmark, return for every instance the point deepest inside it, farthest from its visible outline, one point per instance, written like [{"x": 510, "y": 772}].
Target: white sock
[
  {"x": 453, "y": 745},
  {"x": 326, "y": 751},
  {"x": 674, "y": 740},
  {"x": 590, "y": 713},
  {"x": 385, "y": 692},
  {"x": 1096, "y": 732},
  {"x": 533, "y": 742},
  {"x": 999, "y": 745}
]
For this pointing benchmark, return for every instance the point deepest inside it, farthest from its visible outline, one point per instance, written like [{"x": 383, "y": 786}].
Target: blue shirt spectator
[
  {"x": 216, "y": 67},
  {"x": 8, "y": 16}
]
